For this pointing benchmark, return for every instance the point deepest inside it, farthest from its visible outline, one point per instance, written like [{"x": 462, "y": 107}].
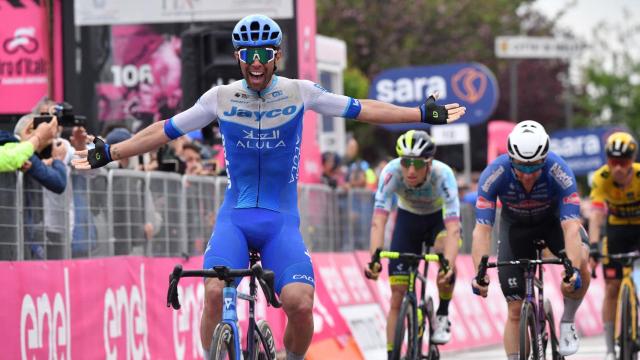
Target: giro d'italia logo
[
  {"x": 469, "y": 84},
  {"x": 23, "y": 40}
]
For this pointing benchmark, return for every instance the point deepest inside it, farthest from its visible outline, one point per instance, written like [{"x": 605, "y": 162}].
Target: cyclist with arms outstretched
[
  {"x": 615, "y": 198},
  {"x": 260, "y": 121},
  {"x": 428, "y": 212},
  {"x": 539, "y": 199}
]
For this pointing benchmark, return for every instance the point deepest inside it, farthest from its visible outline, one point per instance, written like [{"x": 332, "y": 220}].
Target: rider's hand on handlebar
[
  {"x": 445, "y": 278},
  {"x": 574, "y": 283},
  {"x": 479, "y": 289},
  {"x": 372, "y": 271}
]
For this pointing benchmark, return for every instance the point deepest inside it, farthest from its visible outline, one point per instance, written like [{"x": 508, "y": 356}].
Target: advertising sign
[
  {"x": 536, "y": 47},
  {"x": 470, "y": 84},
  {"x": 24, "y": 55},
  {"x": 582, "y": 149}
]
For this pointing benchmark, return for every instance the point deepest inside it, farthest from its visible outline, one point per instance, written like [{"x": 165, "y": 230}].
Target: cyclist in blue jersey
[
  {"x": 260, "y": 121},
  {"x": 428, "y": 212},
  {"x": 537, "y": 190}
]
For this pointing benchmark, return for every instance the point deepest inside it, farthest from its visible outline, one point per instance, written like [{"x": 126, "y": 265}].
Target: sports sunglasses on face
[
  {"x": 527, "y": 169},
  {"x": 417, "y": 163},
  {"x": 622, "y": 162},
  {"x": 263, "y": 55}
]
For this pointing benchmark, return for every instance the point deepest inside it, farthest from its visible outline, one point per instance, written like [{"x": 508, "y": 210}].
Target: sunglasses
[
  {"x": 622, "y": 162},
  {"x": 263, "y": 55},
  {"x": 417, "y": 163},
  {"x": 527, "y": 169}
]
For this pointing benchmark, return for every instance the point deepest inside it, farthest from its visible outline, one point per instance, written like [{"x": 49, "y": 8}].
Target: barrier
[{"x": 115, "y": 308}]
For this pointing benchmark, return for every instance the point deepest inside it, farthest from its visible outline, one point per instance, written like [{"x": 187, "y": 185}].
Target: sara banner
[
  {"x": 470, "y": 84},
  {"x": 582, "y": 149}
]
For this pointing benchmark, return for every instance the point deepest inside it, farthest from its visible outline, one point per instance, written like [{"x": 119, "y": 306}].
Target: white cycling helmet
[
  {"x": 416, "y": 143},
  {"x": 528, "y": 142}
]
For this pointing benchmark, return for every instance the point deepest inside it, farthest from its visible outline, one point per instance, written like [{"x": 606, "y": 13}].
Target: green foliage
[
  {"x": 356, "y": 84},
  {"x": 610, "y": 93}
]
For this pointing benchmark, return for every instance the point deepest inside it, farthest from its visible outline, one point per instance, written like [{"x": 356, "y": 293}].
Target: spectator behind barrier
[
  {"x": 14, "y": 154},
  {"x": 51, "y": 174}
]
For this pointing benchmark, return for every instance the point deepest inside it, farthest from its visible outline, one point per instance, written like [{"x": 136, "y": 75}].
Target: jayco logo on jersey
[
  {"x": 235, "y": 111},
  {"x": 255, "y": 140},
  {"x": 125, "y": 328},
  {"x": 38, "y": 315}
]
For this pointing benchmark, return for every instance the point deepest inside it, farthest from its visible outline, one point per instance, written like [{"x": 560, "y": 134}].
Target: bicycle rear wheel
[
  {"x": 405, "y": 334},
  {"x": 528, "y": 335},
  {"x": 553, "y": 338},
  {"x": 222, "y": 345},
  {"x": 265, "y": 345},
  {"x": 627, "y": 346}
]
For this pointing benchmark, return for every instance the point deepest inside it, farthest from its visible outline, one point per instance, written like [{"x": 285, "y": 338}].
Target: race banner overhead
[{"x": 470, "y": 84}]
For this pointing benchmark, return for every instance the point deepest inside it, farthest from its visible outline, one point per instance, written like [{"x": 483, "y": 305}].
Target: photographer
[
  {"x": 47, "y": 169},
  {"x": 14, "y": 154}
]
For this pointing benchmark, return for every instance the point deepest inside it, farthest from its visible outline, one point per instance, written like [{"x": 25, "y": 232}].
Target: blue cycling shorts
[{"x": 276, "y": 236}]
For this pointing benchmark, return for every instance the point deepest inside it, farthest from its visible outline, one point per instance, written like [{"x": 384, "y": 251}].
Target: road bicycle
[
  {"x": 626, "y": 321},
  {"x": 537, "y": 326},
  {"x": 416, "y": 317},
  {"x": 260, "y": 343}
]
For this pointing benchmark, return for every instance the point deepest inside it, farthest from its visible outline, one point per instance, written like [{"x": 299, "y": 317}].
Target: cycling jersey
[
  {"x": 439, "y": 190},
  {"x": 553, "y": 194},
  {"x": 261, "y": 133},
  {"x": 623, "y": 204}
]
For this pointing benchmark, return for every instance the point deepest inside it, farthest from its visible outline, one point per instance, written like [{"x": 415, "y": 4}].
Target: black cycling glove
[
  {"x": 432, "y": 113},
  {"x": 100, "y": 155}
]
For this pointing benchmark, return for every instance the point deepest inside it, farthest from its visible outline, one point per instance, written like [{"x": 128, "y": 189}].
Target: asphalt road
[{"x": 590, "y": 349}]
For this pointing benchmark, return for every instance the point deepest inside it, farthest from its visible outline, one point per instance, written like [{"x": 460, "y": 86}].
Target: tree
[
  {"x": 384, "y": 34},
  {"x": 610, "y": 90}
]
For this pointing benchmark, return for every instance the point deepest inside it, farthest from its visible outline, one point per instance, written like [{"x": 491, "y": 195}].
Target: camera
[{"x": 64, "y": 112}]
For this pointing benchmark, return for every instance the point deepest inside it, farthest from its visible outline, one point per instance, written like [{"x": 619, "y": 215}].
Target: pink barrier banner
[{"x": 116, "y": 307}]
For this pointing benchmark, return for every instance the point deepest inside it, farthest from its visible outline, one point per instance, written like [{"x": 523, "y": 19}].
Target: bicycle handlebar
[
  {"x": 439, "y": 257},
  {"x": 266, "y": 279},
  {"x": 485, "y": 264}
]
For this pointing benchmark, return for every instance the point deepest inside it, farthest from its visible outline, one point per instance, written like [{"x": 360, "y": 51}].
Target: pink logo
[
  {"x": 23, "y": 38},
  {"x": 483, "y": 203},
  {"x": 572, "y": 199}
]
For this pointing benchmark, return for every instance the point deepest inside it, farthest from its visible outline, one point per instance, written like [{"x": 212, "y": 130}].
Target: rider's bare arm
[
  {"x": 597, "y": 217},
  {"x": 378, "y": 224},
  {"x": 378, "y": 112},
  {"x": 150, "y": 138},
  {"x": 481, "y": 244},
  {"x": 572, "y": 241},
  {"x": 451, "y": 240}
]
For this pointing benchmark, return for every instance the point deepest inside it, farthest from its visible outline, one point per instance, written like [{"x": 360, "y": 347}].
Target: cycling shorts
[
  {"x": 620, "y": 239},
  {"x": 516, "y": 241},
  {"x": 410, "y": 232},
  {"x": 275, "y": 235}
]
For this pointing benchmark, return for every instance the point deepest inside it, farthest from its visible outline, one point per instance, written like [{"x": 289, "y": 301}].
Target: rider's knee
[
  {"x": 514, "y": 310},
  {"x": 299, "y": 304},
  {"x": 213, "y": 293},
  {"x": 611, "y": 288},
  {"x": 396, "y": 297}
]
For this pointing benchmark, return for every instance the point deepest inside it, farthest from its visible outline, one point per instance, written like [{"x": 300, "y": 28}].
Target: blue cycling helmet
[{"x": 256, "y": 31}]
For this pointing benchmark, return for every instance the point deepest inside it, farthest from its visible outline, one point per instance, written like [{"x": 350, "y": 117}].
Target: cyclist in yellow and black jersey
[{"x": 615, "y": 197}]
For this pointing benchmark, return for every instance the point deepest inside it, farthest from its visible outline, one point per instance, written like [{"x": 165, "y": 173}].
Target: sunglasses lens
[
  {"x": 417, "y": 163},
  {"x": 263, "y": 55},
  {"x": 528, "y": 169},
  {"x": 620, "y": 162}
]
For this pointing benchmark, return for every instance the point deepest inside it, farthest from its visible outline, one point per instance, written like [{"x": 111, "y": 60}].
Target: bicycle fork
[{"x": 230, "y": 316}]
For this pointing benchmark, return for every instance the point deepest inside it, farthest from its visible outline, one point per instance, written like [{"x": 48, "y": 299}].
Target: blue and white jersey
[
  {"x": 438, "y": 191},
  {"x": 261, "y": 134},
  {"x": 553, "y": 194}
]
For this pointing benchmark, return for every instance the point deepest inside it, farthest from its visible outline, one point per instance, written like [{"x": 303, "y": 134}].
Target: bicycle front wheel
[
  {"x": 265, "y": 345},
  {"x": 528, "y": 334},
  {"x": 405, "y": 334},
  {"x": 627, "y": 348},
  {"x": 222, "y": 345},
  {"x": 553, "y": 338}
]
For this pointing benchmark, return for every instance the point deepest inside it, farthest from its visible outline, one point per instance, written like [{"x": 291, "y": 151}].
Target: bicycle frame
[{"x": 627, "y": 281}]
